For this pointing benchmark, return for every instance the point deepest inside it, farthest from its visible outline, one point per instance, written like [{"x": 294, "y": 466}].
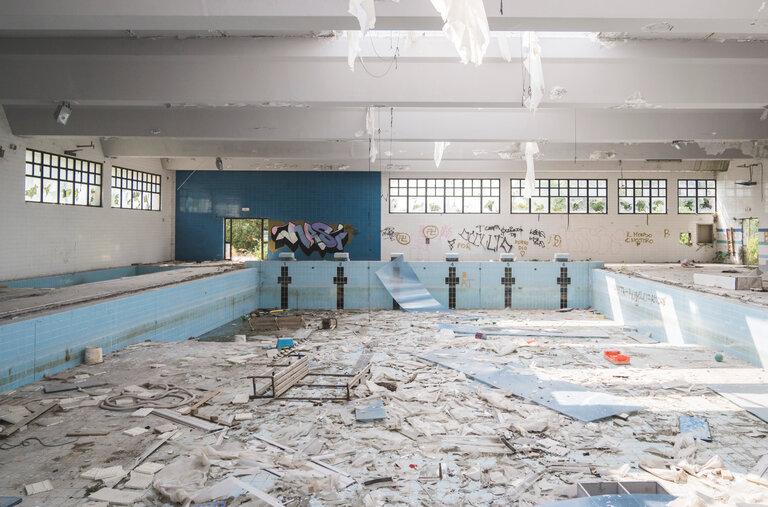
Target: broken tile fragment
[
  {"x": 138, "y": 430},
  {"x": 38, "y": 487},
  {"x": 117, "y": 497},
  {"x": 98, "y": 474},
  {"x": 139, "y": 481}
]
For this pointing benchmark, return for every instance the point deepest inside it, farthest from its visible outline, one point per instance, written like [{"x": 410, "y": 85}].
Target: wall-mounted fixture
[
  {"x": 751, "y": 182},
  {"x": 219, "y": 164},
  {"x": 78, "y": 148},
  {"x": 61, "y": 115}
]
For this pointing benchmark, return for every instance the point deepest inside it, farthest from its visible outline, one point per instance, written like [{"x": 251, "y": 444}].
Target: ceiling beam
[
  {"x": 670, "y": 74},
  {"x": 296, "y": 16}
]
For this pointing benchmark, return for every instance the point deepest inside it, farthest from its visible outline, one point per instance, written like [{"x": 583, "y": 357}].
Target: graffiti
[
  {"x": 389, "y": 233},
  {"x": 430, "y": 231},
  {"x": 554, "y": 240},
  {"x": 446, "y": 232},
  {"x": 537, "y": 236},
  {"x": 522, "y": 246},
  {"x": 639, "y": 238},
  {"x": 451, "y": 243},
  {"x": 637, "y": 295},
  {"x": 465, "y": 246},
  {"x": 591, "y": 240},
  {"x": 311, "y": 237},
  {"x": 490, "y": 241},
  {"x": 403, "y": 238},
  {"x": 513, "y": 231},
  {"x": 465, "y": 282},
  {"x": 666, "y": 233}
]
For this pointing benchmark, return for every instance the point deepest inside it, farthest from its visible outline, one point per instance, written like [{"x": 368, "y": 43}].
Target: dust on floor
[{"x": 439, "y": 443}]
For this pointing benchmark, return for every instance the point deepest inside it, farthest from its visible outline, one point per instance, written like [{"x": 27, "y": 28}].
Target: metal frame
[
  {"x": 518, "y": 185},
  {"x": 86, "y": 169},
  {"x": 697, "y": 194},
  {"x": 634, "y": 195},
  {"x": 265, "y": 238},
  {"x": 143, "y": 182},
  {"x": 483, "y": 194},
  {"x": 356, "y": 379}
]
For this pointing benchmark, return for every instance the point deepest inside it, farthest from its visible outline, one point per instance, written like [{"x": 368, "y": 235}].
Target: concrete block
[{"x": 725, "y": 281}]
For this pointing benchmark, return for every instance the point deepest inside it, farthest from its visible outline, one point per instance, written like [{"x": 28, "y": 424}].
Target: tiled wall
[
  {"x": 677, "y": 315},
  {"x": 98, "y": 275},
  {"x": 49, "y": 239},
  {"x": 206, "y": 198},
  {"x": 610, "y": 237},
  {"x": 50, "y": 343},
  {"x": 479, "y": 284}
]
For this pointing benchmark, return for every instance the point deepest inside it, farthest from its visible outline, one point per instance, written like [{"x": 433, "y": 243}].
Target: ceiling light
[
  {"x": 677, "y": 144},
  {"x": 62, "y": 113}
]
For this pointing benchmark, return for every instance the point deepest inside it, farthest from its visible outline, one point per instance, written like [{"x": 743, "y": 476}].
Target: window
[
  {"x": 417, "y": 195},
  {"x": 58, "y": 179},
  {"x": 696, "y": 196},
  {"x": 642, "y": 196},
  {"x": 246, "y": 239},
  {"x": 560, "y": 196},
  {"x": 135, "y": 189}
]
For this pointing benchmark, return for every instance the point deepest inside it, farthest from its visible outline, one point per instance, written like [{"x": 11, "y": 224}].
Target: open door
[
  {"x": 246, "y": 239},
  {"x": 750, "y": 255}
]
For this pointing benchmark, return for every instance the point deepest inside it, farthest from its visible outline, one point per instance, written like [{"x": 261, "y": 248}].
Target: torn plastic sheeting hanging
[
  {"x": 466, "y": 26},
  {"x": 505, "y": 49},
  {"x": 532, "y": 63},
  {"x": 531, "y": 149},
  {"x": 370, "y": 129},
  {"x": 365, "y": 13},
  {"x": 440, "y": 147},
  {"x": 353, "y": 47},
  {"x": 405, "y": 287}
]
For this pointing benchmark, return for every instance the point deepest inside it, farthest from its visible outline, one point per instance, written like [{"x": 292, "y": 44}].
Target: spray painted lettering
[
  {"x": 639, "y": 238},
  {"x": 311, "y": 237}
]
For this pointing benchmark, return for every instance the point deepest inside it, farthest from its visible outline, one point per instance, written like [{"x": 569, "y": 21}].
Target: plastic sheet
[
  {"x": 405, "y": 287},
  {"x": 365, "y": 13},
  {"x": 532, "y": 63},
  {"x": 564, "y": 397},
  {"x": 466, "y": 26},
  {"x": 353, "y": 47},
  {"x": 440, "y": 147},
  {"x": 529, "y": 186}
]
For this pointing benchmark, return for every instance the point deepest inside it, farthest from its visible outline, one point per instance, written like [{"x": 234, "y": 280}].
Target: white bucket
[
  {"x": 239, "y": 338},
  {"x": 93, "y": 355}
]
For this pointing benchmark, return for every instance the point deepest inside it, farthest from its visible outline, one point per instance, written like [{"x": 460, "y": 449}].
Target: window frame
[
  {"x": 89, "y": 173},
  {"x": 545, "y": 186},
  {"x": 146, "y": 181},
  {"x": 441, "y": 189},
  {"x": 696, "y": 195},
  {"x": 650, "y": 188}
]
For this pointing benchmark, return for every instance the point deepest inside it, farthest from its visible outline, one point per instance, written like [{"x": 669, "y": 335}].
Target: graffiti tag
[
  {"x": 639, "y": 238},
  {"x": 311, "y": 237}
]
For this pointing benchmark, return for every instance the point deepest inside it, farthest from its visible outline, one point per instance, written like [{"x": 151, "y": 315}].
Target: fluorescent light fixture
[{"x": 61, "y": 115}]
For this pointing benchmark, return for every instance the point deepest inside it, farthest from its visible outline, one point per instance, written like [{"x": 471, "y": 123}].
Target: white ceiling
[{"x": 187, "y": 80}]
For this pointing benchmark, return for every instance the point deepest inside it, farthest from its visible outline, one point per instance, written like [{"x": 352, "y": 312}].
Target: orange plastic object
[{"x": 616, "y": 357}]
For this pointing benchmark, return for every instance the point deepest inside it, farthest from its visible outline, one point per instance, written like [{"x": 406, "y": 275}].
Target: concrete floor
[
  {"x": 675, "y": 274},
  {"x": 435, "y": 416}
]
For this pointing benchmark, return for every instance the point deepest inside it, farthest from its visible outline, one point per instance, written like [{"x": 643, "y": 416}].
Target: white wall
[
  {"x": 44, "y": 239},
  {"x": 737, "y": 202},
  {"x": 610, "y": 237}
]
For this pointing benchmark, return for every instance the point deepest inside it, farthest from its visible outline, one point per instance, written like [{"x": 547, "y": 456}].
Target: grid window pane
[
  {"x": 696, "y": 196},
  {"x": 642, "y": 196},
  {"x": 422, "y": 195},
  {"x": 560, "y": 196},
  {"x": 135, "y": 189},
  {"x": 58, "y": 179}
]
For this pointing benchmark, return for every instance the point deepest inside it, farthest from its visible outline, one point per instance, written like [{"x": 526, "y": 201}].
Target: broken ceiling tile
[
  {"x": 353, "y": 47},
  {"x": 531, "y": 149}
]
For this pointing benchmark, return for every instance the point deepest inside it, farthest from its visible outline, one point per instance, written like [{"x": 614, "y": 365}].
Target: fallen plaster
[
  {"x": 557, "y": 93},
  {"x": 531, "y": 149},
  {"x": 365, "y": 13},
  {"x": 532, "y": 64},
  {"x": 441, "y": 438},
  {"x": 602, "y": 155},
  {"x": 440, "y": 147},
  {"x": 636, "y": 101}
]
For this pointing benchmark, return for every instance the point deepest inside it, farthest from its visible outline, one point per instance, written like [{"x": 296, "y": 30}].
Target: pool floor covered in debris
[{"x": 413, "y": 433}]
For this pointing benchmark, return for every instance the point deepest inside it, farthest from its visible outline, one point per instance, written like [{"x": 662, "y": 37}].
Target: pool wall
[
  {"x": 34, "y": 347},
  {"x": 679, "y": 316},
  {"x": 97, "y": 275}
]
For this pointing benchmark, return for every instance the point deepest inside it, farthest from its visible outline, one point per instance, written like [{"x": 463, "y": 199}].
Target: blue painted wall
[
  {"x": 208, "y": 197},
  {"x": 98, "y": 275},
  {"x": 678, "y": 315}
]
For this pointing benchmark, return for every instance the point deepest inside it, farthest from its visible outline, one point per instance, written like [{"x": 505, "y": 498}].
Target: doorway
[
  {"x": 751, "y": 241},
  {"x": 246, "y": 239}
]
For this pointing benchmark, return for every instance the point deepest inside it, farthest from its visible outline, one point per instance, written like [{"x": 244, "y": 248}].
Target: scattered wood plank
[
  {"x": 205, "y": 399},
  {"x": 85, "y": 432},
  {"x": 16, "y": 427},
  {"x": 194, "y": 422}
]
